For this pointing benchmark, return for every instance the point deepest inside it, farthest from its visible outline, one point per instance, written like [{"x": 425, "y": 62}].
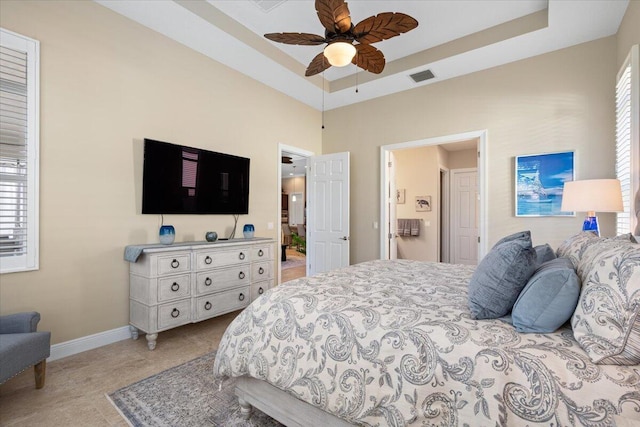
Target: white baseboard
[{"x": 68, "y": 348}]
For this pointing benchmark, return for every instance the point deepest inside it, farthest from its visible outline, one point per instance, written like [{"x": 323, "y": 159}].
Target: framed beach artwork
[
  {"x": 539, "y": 182},
  {"x": 400, "y": 196}
]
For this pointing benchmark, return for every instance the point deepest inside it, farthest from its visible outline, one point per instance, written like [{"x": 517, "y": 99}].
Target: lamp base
[{"x": 591, "y": 224}]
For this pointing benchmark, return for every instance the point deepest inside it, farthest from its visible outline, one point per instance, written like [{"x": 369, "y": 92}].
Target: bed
[{"x": 393, "y": 343}]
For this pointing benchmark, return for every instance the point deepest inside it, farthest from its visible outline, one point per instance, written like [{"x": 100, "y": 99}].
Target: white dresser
[{"x": 173, "y": 285}]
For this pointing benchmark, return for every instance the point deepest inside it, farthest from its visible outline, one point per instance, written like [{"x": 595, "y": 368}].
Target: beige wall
[
  {"x": 462, "y": 159},
  {"x": 418, "y": 172},
  {"x": 107, "y": 83},
  {"x": 558, "y": 101}
]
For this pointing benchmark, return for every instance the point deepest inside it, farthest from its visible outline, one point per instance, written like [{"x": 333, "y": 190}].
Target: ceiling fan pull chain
[
  {"x": 323, "y": 99},
  {"x": 356, "y": 73}
]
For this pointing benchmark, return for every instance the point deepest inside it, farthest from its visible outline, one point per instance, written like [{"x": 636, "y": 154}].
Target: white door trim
[
  {"x": 301, "y": 152},
  {"x": 482, "y": 136}
]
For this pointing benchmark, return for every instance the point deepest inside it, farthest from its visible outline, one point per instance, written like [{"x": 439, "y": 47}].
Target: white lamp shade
[
  {"x": 340, "y": 54},
  {"x": 592, "y": 195}
]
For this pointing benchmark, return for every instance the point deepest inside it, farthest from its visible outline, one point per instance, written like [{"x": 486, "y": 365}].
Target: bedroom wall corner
[
  {"x": 563, "y": 100},
  {"x": 107, "y": 83}
]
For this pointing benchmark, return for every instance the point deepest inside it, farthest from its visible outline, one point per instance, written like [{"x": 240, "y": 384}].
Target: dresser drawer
[
  {"x": 223, "y": 278},
  {"x": 222, "y": 302},
  {"x": 174, "y": 314},
  {"x": 261, "y": 271},
  {"x": 174, "y": 264},
  {"x": 262, "y": 252},
  {"x": 260, "y": 288},
  {"x": 174, "y": 287},
  {"x": 219, "y": 258}
]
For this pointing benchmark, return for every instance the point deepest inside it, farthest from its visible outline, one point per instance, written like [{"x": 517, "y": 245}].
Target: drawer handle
[
  {"x": 208, "y": 281},
  {"x": 207, "y": 306},
  {"x": 241, "y": 256},
  {"x": 261, "y": 270},
  {"x": 260, "y": 253},
  {"x": 241, "y": 275},
  {"x": 175, "y": 263},
  {"x": 175, "y": 313},
  {"x": 208, "y": 260},
  {"x": 260, "y": 290},
  {"x": 241, "y": 297},
  {"x": 175, "y": 287}
]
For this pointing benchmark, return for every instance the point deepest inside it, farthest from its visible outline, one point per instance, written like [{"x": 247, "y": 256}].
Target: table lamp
[{"x": 591, "y": 196}]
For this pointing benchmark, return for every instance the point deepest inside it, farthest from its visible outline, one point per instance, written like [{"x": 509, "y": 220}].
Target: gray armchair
[{"x": 22, "y": 347}]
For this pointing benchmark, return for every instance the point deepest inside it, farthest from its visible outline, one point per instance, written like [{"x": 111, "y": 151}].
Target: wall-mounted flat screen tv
[{"x": 184, "y": 180}]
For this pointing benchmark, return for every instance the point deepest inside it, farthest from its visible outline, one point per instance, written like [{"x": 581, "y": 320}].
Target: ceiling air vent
[
  {"x": 268, "y": 5},
  {"x": 422, "y": 76}
]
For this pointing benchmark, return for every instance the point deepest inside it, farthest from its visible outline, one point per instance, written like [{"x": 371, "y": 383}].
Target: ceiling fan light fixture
[{"x": 340, "y": 54}]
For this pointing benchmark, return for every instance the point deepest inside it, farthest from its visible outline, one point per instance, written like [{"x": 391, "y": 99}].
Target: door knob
[{"x": 344, "y": 238}]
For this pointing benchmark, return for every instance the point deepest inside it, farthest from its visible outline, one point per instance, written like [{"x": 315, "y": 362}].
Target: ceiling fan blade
[
  {"x": 317, "y": 65},
  {"x": 369, "y": 58},
  {"x": 383, "y": 26},
  {"x": 334, "y": 15},
  {"x": 296, "y": 38}
]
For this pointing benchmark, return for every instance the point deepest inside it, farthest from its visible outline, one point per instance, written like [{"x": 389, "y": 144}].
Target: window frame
[{"x": 30, "y": 260}]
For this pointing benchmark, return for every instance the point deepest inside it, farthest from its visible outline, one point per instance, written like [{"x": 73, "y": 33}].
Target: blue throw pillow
[
  {"x": 544, "y": 253},
  {"x": 499, "y": 278},
  {"x": 549, "y": 299},
  {"x": 526, "y": 235}
]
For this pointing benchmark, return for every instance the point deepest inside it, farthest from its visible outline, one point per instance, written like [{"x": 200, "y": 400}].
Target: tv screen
[{"x": 185, "y": 180}]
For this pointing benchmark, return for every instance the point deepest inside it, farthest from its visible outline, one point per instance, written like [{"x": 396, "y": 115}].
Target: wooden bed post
[{"x": 245, "y": 408}]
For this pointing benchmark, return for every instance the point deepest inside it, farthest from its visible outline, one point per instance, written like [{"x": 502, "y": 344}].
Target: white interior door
[
  {"x": 464, "y": 216},
  {"x": 328, "y": 212}
]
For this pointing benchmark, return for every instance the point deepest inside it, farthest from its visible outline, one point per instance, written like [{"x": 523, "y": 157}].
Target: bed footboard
[{"x": 281, "y": 406}]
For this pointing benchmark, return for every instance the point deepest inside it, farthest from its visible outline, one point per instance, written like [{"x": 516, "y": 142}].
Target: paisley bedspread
[{"x": 392, "y": 343}]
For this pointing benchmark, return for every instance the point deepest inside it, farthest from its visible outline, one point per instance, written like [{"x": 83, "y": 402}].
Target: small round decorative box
[
  {"x": 167, "y": 234},
  {"x": 211, "y": 236}
]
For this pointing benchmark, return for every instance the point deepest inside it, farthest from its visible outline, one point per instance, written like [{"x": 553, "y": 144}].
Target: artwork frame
[
  {"x": 401, "y": 196},
  {"x": 539, "y": 181},
  {"x": 423, "y": 203}
]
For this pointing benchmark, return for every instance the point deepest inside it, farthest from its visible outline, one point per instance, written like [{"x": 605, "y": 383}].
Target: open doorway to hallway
[
  {"x": 293, "y": 223},
  {"x": 433, "y": 201}
]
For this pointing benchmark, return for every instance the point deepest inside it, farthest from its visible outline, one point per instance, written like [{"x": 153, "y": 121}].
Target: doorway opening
[
  {"x": 293, "y": 213},
  {"x": 437, "y": 232}
]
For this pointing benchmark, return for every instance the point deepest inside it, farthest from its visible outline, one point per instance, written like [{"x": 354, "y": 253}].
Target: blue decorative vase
[
  {"x": 211, "y": 236},
  {"x": 167, "y": 234},
  {"x": 248, "y": 231}
]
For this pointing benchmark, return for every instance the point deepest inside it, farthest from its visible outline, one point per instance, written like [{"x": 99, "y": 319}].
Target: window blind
[
  {"x": 13, "y": 159},
  {"x": 627, "y": 156},
  {"x": 623, "y": 146},
  {"x": 18, "y": 153}
]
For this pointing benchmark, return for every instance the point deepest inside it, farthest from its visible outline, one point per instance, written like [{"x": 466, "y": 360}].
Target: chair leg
[{"x": 40, "y": 370}]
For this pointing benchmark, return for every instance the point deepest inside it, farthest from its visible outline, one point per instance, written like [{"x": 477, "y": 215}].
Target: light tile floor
[
  {"x": 75, "y": 387},
  {"x": 74, "y": 392}
]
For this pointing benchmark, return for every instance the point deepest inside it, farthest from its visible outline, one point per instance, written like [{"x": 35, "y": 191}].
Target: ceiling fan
[{"x": 348, "y": 43}]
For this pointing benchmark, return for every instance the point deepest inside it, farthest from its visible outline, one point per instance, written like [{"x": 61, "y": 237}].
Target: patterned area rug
[
  {"x": 185, "y": 395},
  {"x": 293, "y": 261}
]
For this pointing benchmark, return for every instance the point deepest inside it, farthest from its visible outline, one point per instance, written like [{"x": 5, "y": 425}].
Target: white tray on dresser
[{"x": 173, "y": 285}]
